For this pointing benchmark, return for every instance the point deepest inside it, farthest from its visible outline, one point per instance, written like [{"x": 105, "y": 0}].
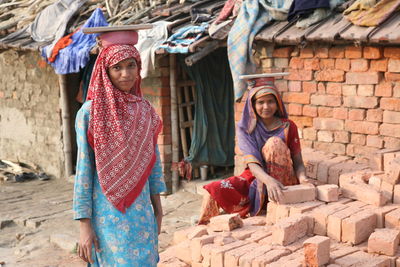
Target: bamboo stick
[
  {"x": 66, "y": 129},
  {"x": 174, "y": 122}
]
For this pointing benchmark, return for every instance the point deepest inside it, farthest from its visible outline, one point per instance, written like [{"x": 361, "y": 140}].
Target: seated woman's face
[
  {"x": 266, "y": 106},
  {"x": 124, "y": 74}
]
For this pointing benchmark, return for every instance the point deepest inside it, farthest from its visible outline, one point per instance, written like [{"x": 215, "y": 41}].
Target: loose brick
[
  {"x": 311, "y": 64},
  {"x": 305, "y": 207},
  {"x": 328, "y": 192},
  {"x": 182, "y": 252},
  {"x": 337, "y": 170},
  {"x": 372, "y": 52},
  {"x": 375, "y": 181},
  {"x": 384, "y": 89},
  {"x": 181, "y": 235},
  {"x": 328, "y": 124},
  {"x": 245, "y": 231},
  {"x": 323, "y": 167},
  {"x": 247, "y": 259},
  {"x": 387, "y": 190},
  {"x": 392, "y": 171},
  {"x": 300, "y": 75},
  {"x": 321, "y": 214},
  {"x": 330, "y": 76},
  {"x": 322, "y": 52},
  {"x": 363, "y": 77},
  {"x": 294, "y": 86},
  {"x": 359, "y": 65},
  {"x": 362, "y": 127},
  {"x": 389, "y": 129},
  {"x": 375, "y": 141},
  {"x": 271, "y": 213},
  {"x": 226, "y": 222},
  {"x": 298, "y": 193},
  {"x": 254, "y": 220},
  {"x": 282, "y": 52},
  {"x": 310, "y": 111},
  {"x": 362, "y": 259},
  {"x": 358, "y": 227},
  {"x": 316, "y": 251},
  {"x": 196, "y": 245},
  {"x": 349, "y": 90},
  {"x": 341, "y": 251},
  {"x": 172, "y": 262},
  {"x": 358, "y": 139},
  {"x": 360, "y": 101},
  {"x": 374, "y": 115},
  {"x": 282, "y": 211},
  {"x": 392, "y": 219},
  {"x": 292, "y": 260},
  {"x": 354, "y": 188},
  {"x": 259, "y": 235},
  {"x": 296, "y": 63},
  {"x": 342, "y": 64},
  {"x": 391, "y": 116},
  {"x": 356, "y": 114},
  {"x": 392, "y": 52},
  {"x": 336, "y": 52},
  {"x": 365, "y": 90},
  {"x": 198, "y": 231},
  {"x": 291, "y": 229},
  {"x": 396, "y": 194},
  {"x": 294, "y": 97},
  {"x": 390, "y": 104},
  {"x": 384, "y": 241},
  {"x": 327, "y": 63},
  {"x": 379, "y": 65},
  {"x": 381, "y": 213},
  {"x": 353, "y": 52},
  {"x": 217, "y": 254},
  {"x": 231, "y": 257},
  {"x": 269, "y": 257},
  {"x": 306, "y": 52},
  {"x": 392, "y": 76},
  {"x": 339, "y": 113},
  {"x": 334, "y": 222}
]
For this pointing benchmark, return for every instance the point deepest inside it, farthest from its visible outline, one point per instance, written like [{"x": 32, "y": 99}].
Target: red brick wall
[
  {"x": 156, "y": 89},
  {"x": 344, "y": 99}
]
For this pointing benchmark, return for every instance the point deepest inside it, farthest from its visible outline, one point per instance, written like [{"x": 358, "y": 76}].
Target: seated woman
[{"x": 271, "y": 150}]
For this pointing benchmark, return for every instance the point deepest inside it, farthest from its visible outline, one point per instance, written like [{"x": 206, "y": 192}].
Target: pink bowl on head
[{"x": 119, "y": 37}]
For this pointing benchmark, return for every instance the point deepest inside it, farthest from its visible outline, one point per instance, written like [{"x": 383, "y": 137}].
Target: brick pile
[
  {"x": 354, "y": 222},
  {"x": 344, "y": 99}
]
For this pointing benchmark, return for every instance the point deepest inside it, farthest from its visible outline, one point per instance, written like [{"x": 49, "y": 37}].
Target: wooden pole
[
  {"x": 66, "y": 129},
  {"x": 174, "y": 122}
]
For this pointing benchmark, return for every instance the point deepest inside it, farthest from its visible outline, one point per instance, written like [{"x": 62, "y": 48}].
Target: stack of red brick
[
  {"x": 352, "y": 222},
  {"x": 344, "y": 99}
]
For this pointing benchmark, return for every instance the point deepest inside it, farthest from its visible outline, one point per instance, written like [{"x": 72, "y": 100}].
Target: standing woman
[
  {"x": 118, "y": 178},
  {"x": 271, "y": 150}
]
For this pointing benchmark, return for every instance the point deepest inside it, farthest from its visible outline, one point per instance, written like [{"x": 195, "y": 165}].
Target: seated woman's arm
[{"x": 299, "y": 168}]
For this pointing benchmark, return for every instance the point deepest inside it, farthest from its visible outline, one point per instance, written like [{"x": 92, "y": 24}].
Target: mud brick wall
[
  {"x": 344, "y": 99},
  {"x": 30, "y": 120},
  {"x": 156, "y": 89}
]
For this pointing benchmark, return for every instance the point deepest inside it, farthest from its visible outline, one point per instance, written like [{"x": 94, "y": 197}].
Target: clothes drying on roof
[
  {"x": 252, "y": 17},
  {"x": 75, "y": 56},
  {"x": 231, "y": 7},
  {"x": 149, "y": 41},
  {"x": 303, "y": 8},
  {"x": 180, "y": 41},
  {"x": 371, "y": 13}
]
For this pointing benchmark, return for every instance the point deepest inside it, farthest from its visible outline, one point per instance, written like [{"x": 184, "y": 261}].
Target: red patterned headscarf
[{"x": 123, "y": 130}]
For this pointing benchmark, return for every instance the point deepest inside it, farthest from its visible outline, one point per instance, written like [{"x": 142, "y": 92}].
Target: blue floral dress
[{"x": 128, "y": 239}]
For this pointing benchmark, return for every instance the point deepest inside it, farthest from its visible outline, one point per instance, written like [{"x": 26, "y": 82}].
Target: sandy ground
[{"x": 37, "y": 229}]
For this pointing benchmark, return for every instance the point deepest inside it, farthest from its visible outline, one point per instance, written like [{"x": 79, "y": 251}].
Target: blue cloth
[
  {"x": 180, "y": 41},
  {"x": 126, "y": 240},
  {"x": 75, "y": 56},
  {"x": 303, "y": 8},
  {"x": 252, "y": 17}
]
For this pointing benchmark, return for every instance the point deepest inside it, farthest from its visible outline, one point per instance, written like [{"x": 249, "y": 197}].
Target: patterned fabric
[
  {"x": 126, "y": 239},
  {"x": 180, "y": 41},
  {"x": 123, "y": 130},
  {"x": 253, "y": 15},
  {"x": 371, "y": 13},
  {"x": 231, "y": 6},
  {"x": 243, "y": 194}
]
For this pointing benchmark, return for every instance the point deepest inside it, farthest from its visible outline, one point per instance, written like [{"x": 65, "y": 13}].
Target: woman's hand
[
  {"x": 274, "y": 189},
  {"x": 86, "y": 239},
  {"x": 158, "y": 211},
  {"x": 159, "y": 221}
]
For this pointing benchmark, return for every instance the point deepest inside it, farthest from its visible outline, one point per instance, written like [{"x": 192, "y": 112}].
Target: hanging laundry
[
  {"x": 75, "y": 56},
  {"x": 304, "y": 8},
  {"x": 180, "y": 41},
  {"x": 252, "y": 17},
  {"x": 149, "y": 41},
  {"x": 371, "y": 13},
  {"x": 231, "y": 7}
]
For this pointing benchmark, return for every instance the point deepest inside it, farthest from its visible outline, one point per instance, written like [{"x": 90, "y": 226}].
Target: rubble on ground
[{"x": 351, "y": 218}]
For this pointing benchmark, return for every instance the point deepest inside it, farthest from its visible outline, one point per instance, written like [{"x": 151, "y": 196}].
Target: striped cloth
[{"x": 253, "y": 15}]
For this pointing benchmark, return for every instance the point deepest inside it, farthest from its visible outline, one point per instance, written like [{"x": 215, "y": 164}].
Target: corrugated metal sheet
[
  {"x": 329, "y": 30},
  {"x": 389, "y": 33}
]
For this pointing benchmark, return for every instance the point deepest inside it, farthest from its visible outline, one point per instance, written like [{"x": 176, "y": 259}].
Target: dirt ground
[{"x": 37, "y": 229}]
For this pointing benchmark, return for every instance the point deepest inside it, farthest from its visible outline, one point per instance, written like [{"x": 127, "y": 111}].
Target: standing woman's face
[{"x": 124, "y": 74}]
